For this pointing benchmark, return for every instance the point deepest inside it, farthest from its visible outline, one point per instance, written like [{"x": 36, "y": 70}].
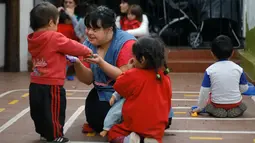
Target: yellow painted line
[
  {"x": 2, "y": 109},
  {"x": 180, "y": 112},
  {"x": 69, "y": 94},
  {"x": 191, "y": 95},
  {"x": 91, "y": 134},
  {"x": 13, "y": 102},
  {"x": 25, "y": 95},
  {"x": 205, "y": 138},
  {"x": 253, "y": 140}
]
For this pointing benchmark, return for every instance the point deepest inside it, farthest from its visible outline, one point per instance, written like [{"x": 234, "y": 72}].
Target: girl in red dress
[{"x": 147, "y": 90}]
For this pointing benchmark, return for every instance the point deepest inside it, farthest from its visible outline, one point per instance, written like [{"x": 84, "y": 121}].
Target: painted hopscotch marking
[
  {"x": 91, "y": 134},
  {"x": 69, "y": 94},
  {"x": 14, "y": 119},
  {"x": 205, "y": 138},
  {"x": 13, "y": 102},
  {"x": 191, "y": 95},
  {"x": 83, "y": 98},
  {"x": 214, "y": 119},
  {"x": 2, "y": 109},
  {"x": 209, "y": 132},
  {"x": 25, "y": 95},
  {"x": 71, "y": 120},
  {"x": 88, "y": 90},
  {"x": 86, "y": 142},
  {"x": 180, "y": 112}
]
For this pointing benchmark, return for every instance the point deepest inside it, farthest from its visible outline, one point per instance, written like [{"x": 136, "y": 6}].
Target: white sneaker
[
  {"x": 150, "y": 140},
  {"x": 42, "y": 138},
  {"x": 134, "y": 138}
]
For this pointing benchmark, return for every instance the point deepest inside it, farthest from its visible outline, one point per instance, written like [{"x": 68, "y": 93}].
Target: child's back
[
  {"x": 147, "y": 111},
  {"x": 225, "y": 80},
  {"x": 47, "y": 96},
  {"x": 48, "y": 49}
]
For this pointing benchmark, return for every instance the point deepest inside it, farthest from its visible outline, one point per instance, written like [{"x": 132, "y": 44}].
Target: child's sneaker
[
  {"x": 134, "y": 138},
  {"x": 87, "y": 129},
  {"x": 60, "y": 140},
  {"x": 42, "y": 138},
  {"x": 150, "y": 140}
]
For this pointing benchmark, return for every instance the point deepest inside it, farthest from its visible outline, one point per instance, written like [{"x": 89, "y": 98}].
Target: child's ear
[{"x": 143, "y": 60}]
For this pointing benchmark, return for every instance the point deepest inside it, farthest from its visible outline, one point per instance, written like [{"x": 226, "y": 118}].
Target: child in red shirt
[
  {"x": 148, "y": 99},
  {"x": 65, "y": 27},
  {"x": 134, "y": 18},
  {"x": 48, "y": 48}
]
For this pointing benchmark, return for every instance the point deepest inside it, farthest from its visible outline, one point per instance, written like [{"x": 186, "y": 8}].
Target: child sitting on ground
[
  {"x": 147, "y": 92},
  {"x": 135, "y": 15},
  {"x": 47, "y": 96},
  {"x": 223, "y": 83}
]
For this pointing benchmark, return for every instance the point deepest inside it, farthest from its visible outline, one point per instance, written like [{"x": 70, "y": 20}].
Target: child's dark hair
[
  {"x": 152, "y": 49},
  {"x": 222, "y": 47},
  {"x": 101, "y": 17},
  {"x": 84, "y": 8},
  {"x": 41, "y": 15},
  {"x": 63, "y": 17},
  {"x": 137, "y": 11}
]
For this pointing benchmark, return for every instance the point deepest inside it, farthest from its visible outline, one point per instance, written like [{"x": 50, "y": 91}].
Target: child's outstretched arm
[
  {"x": 204, "y": 93},
  {"x": 71, "y": 47}
]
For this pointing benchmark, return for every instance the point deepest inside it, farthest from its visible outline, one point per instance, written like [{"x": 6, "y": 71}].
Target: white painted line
[
  {"x": 214, "y": 119},
  {"x": 86, "y": 142},
  {"x": 181, "y": 107},
  {"x": 253, "y": 98},
  {"x": 83, "y": 98},
  {"x": 71, "y": 120},
  {"x": 209, "y": 132},
  {"x": 14, "y": 119},
  {"x": 11, "y": 91},
  {"x": 88, "y": 90}
]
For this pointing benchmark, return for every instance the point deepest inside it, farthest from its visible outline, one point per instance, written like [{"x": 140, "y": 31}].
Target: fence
[{"x": 195, "y": 23}]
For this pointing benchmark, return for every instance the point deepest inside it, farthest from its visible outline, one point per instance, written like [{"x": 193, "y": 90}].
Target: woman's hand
[
  {"x": 95, "y": 59},
  {"x": 70, "y": 11}
]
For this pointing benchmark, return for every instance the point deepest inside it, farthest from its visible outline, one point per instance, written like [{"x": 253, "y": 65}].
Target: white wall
[
  {"x": 2, "y": 34},
  {"x": 25, "y": 8}
]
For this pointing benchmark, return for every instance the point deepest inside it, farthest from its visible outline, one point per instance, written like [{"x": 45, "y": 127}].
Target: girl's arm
[
  {"x": 110, "y": 70},
  {"x": 79, "y": 31},
  {"x": 142, "y": 30},
  {"x": 117, "y": 22},
  {"x": 125, "y": 84}
]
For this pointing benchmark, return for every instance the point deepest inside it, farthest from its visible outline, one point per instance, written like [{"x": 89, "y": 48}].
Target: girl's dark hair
[
  {"x": 63, "y": 17},
  {"x": 101, "y": 17},
  {"x": 152, "y": 49},
  {"x": 137, "y": 11}
]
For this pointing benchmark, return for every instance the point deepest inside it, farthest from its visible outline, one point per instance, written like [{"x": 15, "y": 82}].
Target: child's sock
[{"x": 132, "y": 138}]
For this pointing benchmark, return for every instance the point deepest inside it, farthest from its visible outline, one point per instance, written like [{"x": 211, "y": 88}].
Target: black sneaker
[{"x": 60, "y": 140}]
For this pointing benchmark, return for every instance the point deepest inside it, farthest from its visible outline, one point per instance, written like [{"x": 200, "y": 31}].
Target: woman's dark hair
[
  {"x": 101, "y": 17},
  {"x": 63, "y": 17},
  {"x": 137, "y": 11},
  {"x": 222, "y": 47},
  {"x": 152, "y": 49}
]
